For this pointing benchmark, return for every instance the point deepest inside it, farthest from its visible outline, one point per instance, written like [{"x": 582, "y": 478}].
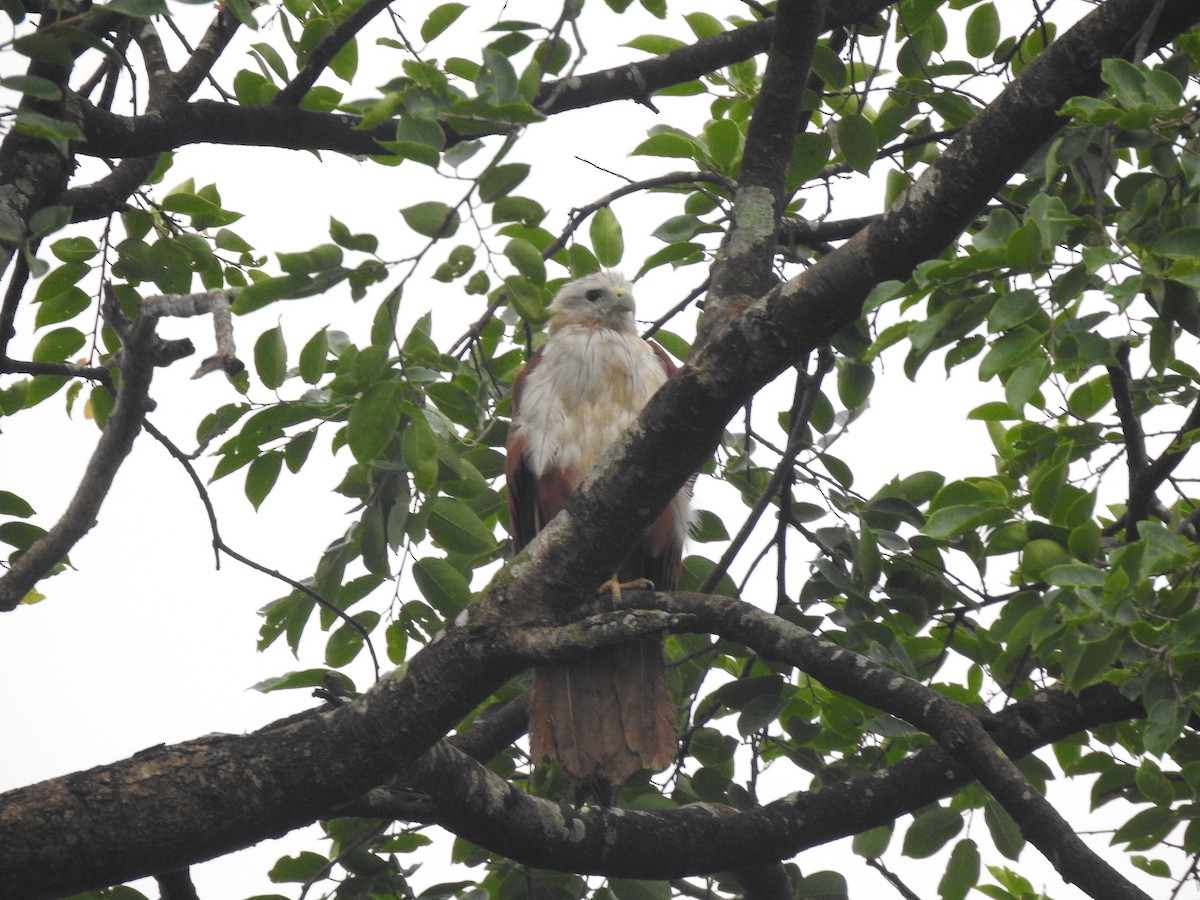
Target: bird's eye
[{"x": 594, "y": 294}]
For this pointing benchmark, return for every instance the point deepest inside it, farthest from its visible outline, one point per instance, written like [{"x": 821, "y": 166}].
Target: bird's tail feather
[{"x": 605, "y": 717}]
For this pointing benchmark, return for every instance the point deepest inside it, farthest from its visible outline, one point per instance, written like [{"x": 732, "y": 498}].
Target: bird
[{"x": 603, "y": 718}]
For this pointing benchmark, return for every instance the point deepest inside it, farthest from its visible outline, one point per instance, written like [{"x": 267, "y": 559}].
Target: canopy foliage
[{"x": 833, "y": 194}]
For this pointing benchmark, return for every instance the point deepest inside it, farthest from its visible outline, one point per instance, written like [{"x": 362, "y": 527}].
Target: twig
[
  {"x": 579, "y": 216},
  {"x": 796, "y": 443},
  {"x": 894, "y": 880},
  {"x": 219, "y": 547}
]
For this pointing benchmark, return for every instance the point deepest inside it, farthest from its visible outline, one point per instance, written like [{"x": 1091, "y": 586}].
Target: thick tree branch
[
  {"x": 743, "y": 268},
  {"x": 207, "y": 121},
  {"x": 169, "y": 806},
  {"x": 478, "y": 805}
]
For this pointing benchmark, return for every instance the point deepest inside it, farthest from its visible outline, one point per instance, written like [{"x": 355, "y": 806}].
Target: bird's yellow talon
[{"x": 614, "y": 586}]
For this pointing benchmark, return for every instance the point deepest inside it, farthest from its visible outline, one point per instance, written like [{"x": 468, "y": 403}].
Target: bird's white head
[{"x": 600, "y": 300}]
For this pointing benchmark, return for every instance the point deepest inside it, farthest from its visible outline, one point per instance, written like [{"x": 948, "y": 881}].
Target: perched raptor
[{"x": 603, "y": 718}]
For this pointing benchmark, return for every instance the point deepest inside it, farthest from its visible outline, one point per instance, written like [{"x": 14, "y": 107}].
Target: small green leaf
[
  {"x": 724, "y": 140},
  {"x": 1010, "y": 351},
  {"x": 12, "y": 505},
  {"x": 962, "y": 871},
  {"x": 500, "y": 181},
  {"x": 607, "y": 241},
  {"x": 262, "y": 475},
  {"x": 32, "y": 86},
  {"x": 442, "y": 18},
  {"x": 59, "y": 345},
  {"x": 1154, "y": 785},
  {"x": 373, "y": 421},
  {"x": 270, "y": 357},
  {"x": 455, "y": 526},
  {"x": 432, "y": 219},
  {"x": 854, "y": 382},
  {"x": 446, "y": 588},
  {"x": 141, "y": 9},
  {"x": 419, "y": 448},
  {"x": 930, "y": 830},
  {"x": 872, "y": 844},
  {"x": 1005, "y": 832},
  {"x": 983, "y": 30},
  {"x": 301, "y": 868},
  {"x": 857, "y": 142},
  {"x": 346, "y": 642},
  {"x": 314, "y": 357},
  {"x": 527, "y": 260}
]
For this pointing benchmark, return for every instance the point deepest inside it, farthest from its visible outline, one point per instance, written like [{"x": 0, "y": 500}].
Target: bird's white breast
[{"x": 588, "y": 388}]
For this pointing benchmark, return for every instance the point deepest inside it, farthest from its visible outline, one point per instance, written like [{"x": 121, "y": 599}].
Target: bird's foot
[{"x": 614, "y": 586}]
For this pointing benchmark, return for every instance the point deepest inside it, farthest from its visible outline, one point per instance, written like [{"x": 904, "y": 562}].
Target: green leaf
[
  {"x": 930, "y": 830},
  {"x": 872, "y": 844},
  {"x": 32, "y": 86},
  {"x": 983, "y": 30},
  {"x": 373, "y": 421},
  {"x": 444, "y": 586},
  {"x": 456, "y": 527},
  {"x": 526, "y": 259},
  {"x": 669, "y": 145},
  {"x": 262, "y": 475},
  {"x": 854, "y": 382},
  {"x": 314, "y": 357},
  {"x": 607, "y": 241},
  {"x": 1166, "y": 719},
  {"x": 300, "y": 868},
  {"x": 309, "y": 262},
  {"x": 1010, "y": 351},
  {"x": 500, "y": 181},
  {"x": 1154, "y": 785},
  {"x": 962, "y": 871},
  {"x": 203, "y": 211},
  {"x": 346, "y": 642},
  {"x": 1182, "y": 242},
  {"x": 1023, "y": 250},
  {"x": 74, "y": 249},
  {"x": 12, "y": 505},
  {"x": 629, "y": 889},
  {"x": 419, "y": 448},
  {"x": 1012, "y": 308},
  {"x": 724, "y": 140},
  {"x": 656, "y": 44},
  {"x": 857, "y": 142},
  {"x": 141, "y": 9},
  {"x": 59, "y": 345},
  {"x": 432, "y": 219},
  {"x": 270, "y": 357},
  {"x": 952, "y": 520},
  {"x": 1005, "y": 832}
]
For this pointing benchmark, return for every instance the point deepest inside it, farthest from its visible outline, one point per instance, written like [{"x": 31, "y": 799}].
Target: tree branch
[
  {"x": 293, "y": 92},
  {"x": 142, "y": 351},
  {"x": 743, "y": 267},
  {"x": 208, "y": 121},
  {"x": 699, "y": 839}
]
